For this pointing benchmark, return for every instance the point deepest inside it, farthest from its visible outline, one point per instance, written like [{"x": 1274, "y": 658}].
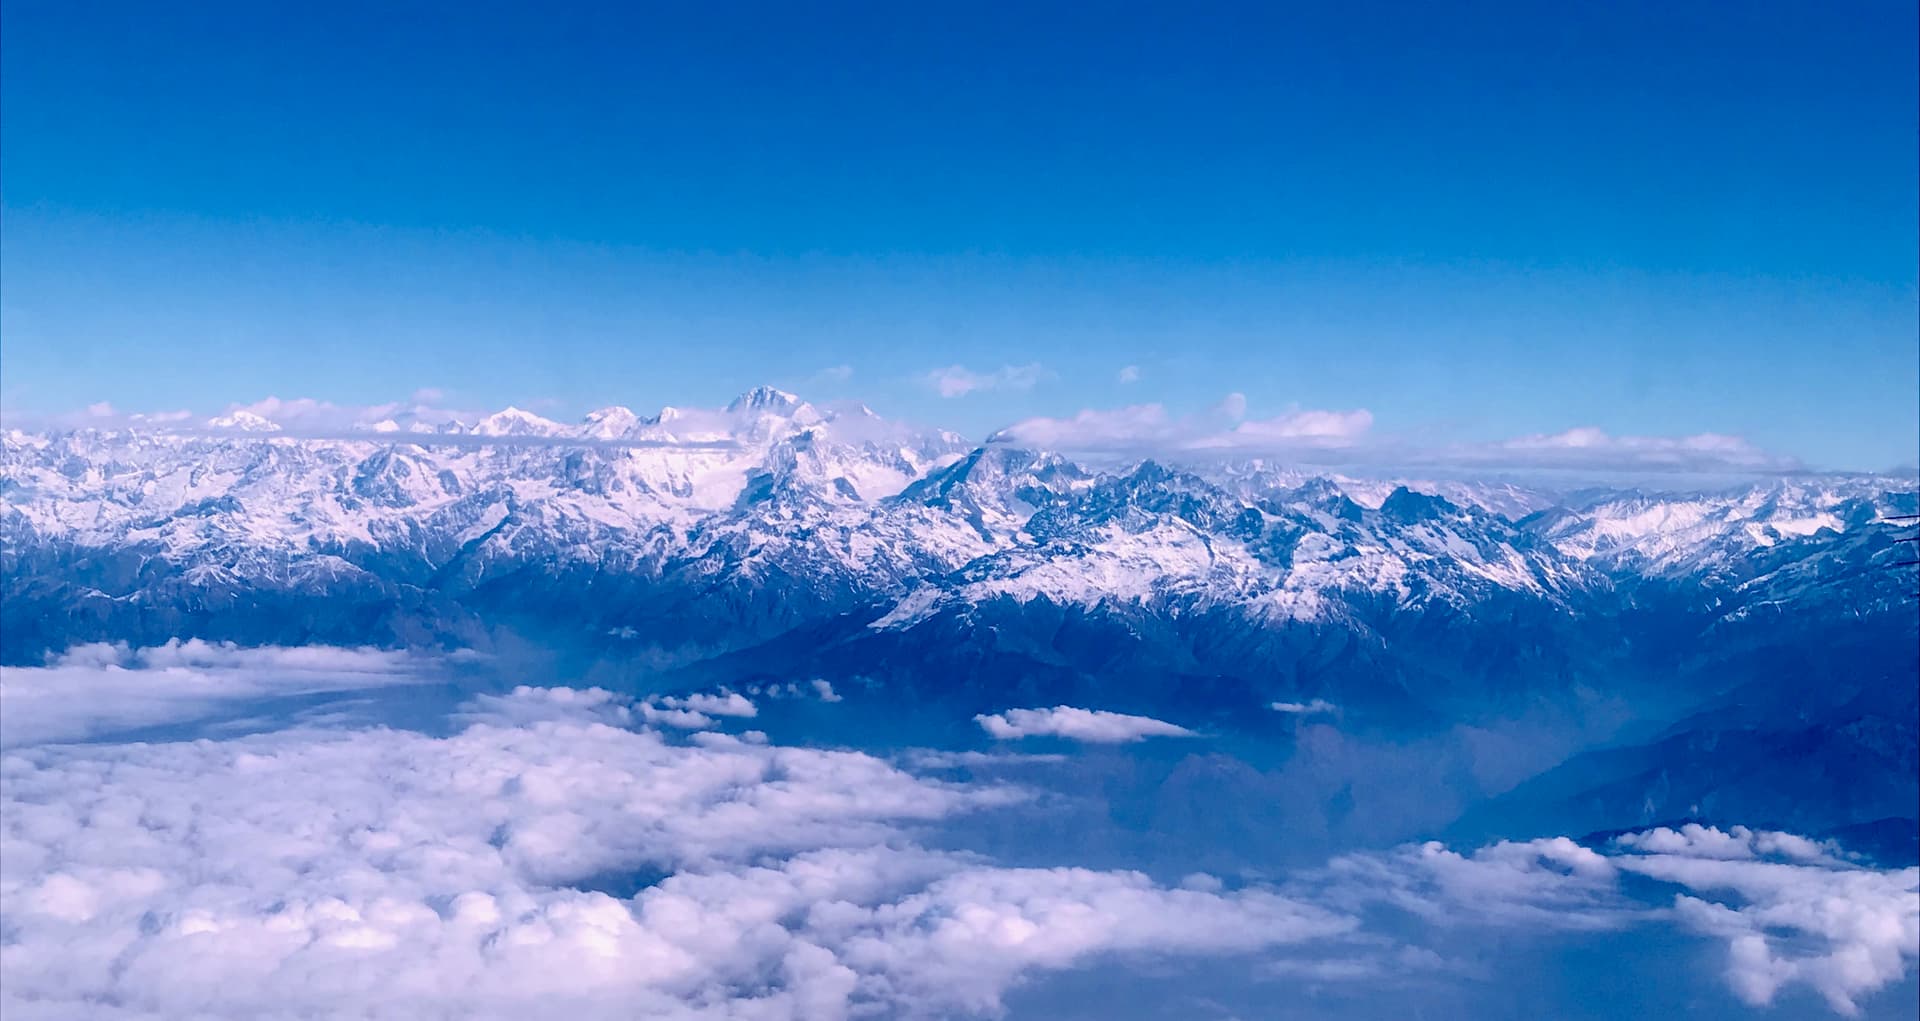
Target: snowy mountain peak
[
  {"x": 515, "y": 422},
  {"x": 244, "y": 421},
  {"x": 766, "y": 400},
  {"x": 610, "y": 423}
]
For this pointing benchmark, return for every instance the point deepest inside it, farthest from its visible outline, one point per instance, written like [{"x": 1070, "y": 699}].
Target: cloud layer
[
  {"x": 97, "y": 689},
  {"x": 556, "y": 855},
  {"x": 1788, "y": 911},
  {"x": 553, "y": 863}
]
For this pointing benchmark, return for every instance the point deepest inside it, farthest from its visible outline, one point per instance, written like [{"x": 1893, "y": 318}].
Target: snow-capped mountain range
[
  {"x": 791, "y": 512},
  {"x": 773, "y": 541}
]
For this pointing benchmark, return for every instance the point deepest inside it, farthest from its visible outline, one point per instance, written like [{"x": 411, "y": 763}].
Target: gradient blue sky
[{"x": 1480, "y": 222}]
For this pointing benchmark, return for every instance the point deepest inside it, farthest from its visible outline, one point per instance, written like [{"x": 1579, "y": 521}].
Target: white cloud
[
  {"x": 99, "y": 689},
  {"x": 698, "y": 711},
  {"x": 725, "y": 703},
  {"x": 1738, "y": 842},
  {"x": 1129, "y": 374},
  {"x": 1787, "y": 908},
  {"x": 1092, "y": 725},
  {"x": 526, "y": 705},
  {"x": 1317, "y": 707},
  {"x": 970, "y": 935},
  {"x": 824, "y": 689},
  {"x": 1134, "y": 426},
  {"x": 1309, "y": 428},
  {"x": 958, "y": 380},
  {"x": 546, "y": 858},
  {"x": 1844, "y": 932},
  {"x": 381, "y": 872}
]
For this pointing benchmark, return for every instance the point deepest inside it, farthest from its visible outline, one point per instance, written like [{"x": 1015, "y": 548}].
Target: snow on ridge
[{"x": 840, "y": 497}]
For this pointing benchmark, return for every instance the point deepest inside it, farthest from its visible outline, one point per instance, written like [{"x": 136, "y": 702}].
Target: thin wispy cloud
[
  {"x": 1590, "y": 446},
  {"x": 1145, "y": 429},
  {"x": 1348, "y": 437},
  {"x": 959, "y": 381},
  {"x": 1317, "y": 707}
]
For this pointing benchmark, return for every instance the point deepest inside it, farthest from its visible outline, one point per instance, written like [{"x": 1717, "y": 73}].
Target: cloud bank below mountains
[
  {"x": 102, "y": 689},
  {"x": 555, "y": 853}
]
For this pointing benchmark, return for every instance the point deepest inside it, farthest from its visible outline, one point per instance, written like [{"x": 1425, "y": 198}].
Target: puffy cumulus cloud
[
  {"x": 1129, "y": 374},
  {"x": 554, "y": 864},
  {"x": 1148, "y": 429},
  {"x": 1092, "y": 725},
  {"x": 1696, "y": 841},
  {"x": 1556, "y": 883},
  {"x": 959, "y": 381},
  {"x": 99, "y": 688},
  {"x": 1842, "y": 931},
  {"x": 696, "y": 711},
  {"x": 970, "y": 935},
  {"x": 726, "y": 703},
  {"x": 1789, "y": 910}
]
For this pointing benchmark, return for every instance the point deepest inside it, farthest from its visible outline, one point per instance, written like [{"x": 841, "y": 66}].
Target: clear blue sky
[{"x": 1476, "y": 222}]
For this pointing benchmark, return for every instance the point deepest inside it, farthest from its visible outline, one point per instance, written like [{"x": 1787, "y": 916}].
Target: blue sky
[{"x": 1480, "y": 223}]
